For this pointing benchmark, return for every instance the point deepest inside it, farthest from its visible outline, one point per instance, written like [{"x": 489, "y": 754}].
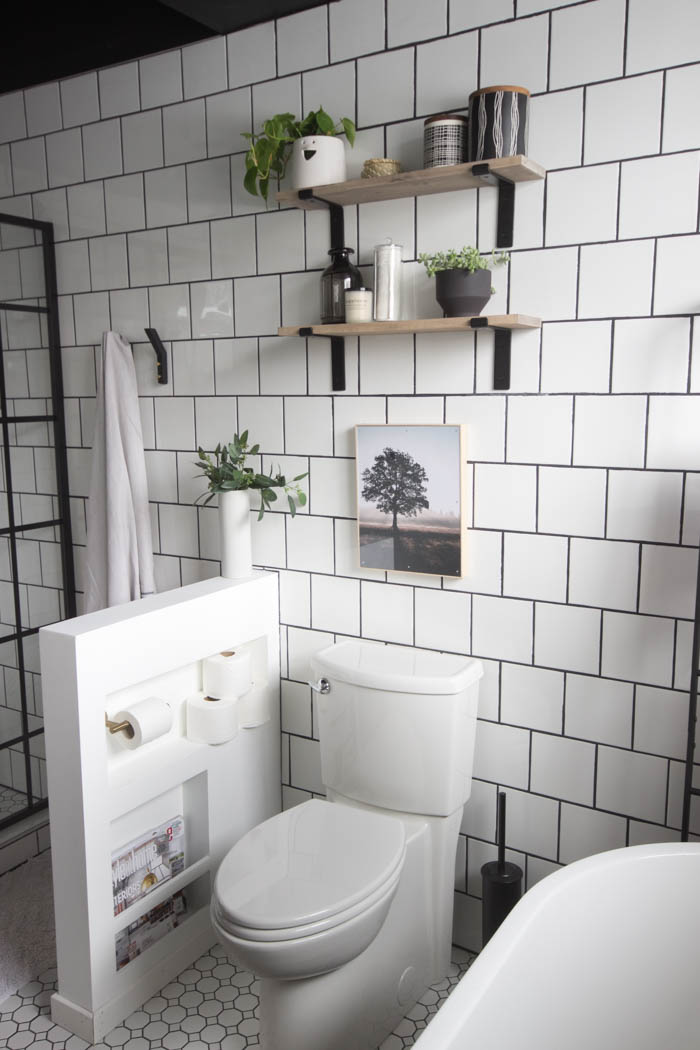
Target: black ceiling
[{"x": 80, "y": 35}]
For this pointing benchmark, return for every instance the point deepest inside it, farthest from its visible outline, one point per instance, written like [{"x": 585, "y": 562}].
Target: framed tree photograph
[{"x": 411, "y": 498}]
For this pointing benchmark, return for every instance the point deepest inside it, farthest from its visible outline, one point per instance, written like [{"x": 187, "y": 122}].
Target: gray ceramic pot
[{"x": 461, "y": 293}]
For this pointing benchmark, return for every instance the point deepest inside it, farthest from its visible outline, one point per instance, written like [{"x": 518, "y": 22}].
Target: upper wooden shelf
[
  {"x": 423, "y": 324},
  {"x": 416, "y": 183}
]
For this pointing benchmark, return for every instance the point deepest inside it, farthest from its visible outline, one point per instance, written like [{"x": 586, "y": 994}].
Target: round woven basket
[{"x": 380, "y": 166}]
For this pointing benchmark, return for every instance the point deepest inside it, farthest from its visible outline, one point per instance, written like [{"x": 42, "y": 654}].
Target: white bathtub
[{"x": 602, "y": 955}]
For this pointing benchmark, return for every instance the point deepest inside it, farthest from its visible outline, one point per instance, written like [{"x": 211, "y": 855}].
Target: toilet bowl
[{"x": 343, "y": 907}]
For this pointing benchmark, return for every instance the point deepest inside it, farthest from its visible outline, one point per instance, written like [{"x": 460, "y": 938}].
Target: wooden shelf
[
  {"x": 417, "y": 183},
  {"x": 502, "y": 324},
  {"x": 426, "y": 324}
]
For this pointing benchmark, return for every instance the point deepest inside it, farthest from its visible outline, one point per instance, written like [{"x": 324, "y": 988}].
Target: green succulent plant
[
  {"x": 467, "y": 258},
  {"x": 227, "y": 472},
  {"x": 271, "y": 148}
]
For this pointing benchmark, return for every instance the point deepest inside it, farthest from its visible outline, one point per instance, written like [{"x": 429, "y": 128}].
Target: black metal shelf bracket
[
  {"x": 501, "y": 352},
  {"x": 337, "y": 356},
  {"x": 161, "y": 355},
  {"x": 506, "y": 203},
  {"x": 337, "y": 217}
]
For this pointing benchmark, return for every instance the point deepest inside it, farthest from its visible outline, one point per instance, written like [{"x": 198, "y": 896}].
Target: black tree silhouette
[{"x": 396, "y": 484}]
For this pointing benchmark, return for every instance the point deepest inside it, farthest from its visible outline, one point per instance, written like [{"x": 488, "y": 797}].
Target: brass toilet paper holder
[{"x": 119, "y": 727}]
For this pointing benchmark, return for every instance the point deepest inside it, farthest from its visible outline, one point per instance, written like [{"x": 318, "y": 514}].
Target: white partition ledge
[{"x": 102, "y": 794}]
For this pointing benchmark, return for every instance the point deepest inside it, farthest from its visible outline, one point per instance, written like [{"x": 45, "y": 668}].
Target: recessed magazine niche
[{"x": 160, "y": 867}]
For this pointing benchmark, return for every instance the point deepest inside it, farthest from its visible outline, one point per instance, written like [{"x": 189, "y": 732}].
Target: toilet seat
[
  {"x": 309, "y": 889},
  {"x": 308, "y": 869},
  {"x": 308, "y": 929}
]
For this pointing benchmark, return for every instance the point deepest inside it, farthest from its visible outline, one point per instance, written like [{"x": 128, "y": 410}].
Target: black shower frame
[{"x": 63, "y": 521}]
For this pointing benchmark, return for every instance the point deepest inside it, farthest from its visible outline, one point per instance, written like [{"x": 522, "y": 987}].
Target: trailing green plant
[
  {"x": 271, "y": 148},
  {"x": 467, "y": 258},
  {"x": 227, "y": 472}
]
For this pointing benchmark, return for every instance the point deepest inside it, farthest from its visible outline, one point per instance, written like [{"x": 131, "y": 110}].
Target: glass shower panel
[
  {"x": 36, "y": 568},
  {"x": 13, "y": 782}
]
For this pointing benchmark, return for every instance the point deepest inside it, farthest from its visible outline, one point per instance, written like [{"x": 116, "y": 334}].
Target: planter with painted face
[
  {"x": 309, "y": 150},
  {"x": 462, "y": 279},
  {"x": 317, "y": 160}
]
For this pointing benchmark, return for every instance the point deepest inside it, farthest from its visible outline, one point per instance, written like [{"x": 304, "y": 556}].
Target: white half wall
[{"x": 104, "y": 794}]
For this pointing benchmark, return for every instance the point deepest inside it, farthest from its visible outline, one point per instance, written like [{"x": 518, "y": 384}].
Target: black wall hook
[{"x": 161, "y": 354}]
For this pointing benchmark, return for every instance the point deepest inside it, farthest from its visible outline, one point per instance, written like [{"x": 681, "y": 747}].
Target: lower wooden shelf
[
  {"x": 423, "y": 324},
  {"x": 503, "y": 325}
]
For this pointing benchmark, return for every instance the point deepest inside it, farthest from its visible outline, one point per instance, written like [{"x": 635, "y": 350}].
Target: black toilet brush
[{"x": 501, "y": 881}]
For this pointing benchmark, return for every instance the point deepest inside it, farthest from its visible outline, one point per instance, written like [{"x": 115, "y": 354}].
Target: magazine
[
  {"x": 140, "y": 935},
  {"x": 147, "y": 862}
]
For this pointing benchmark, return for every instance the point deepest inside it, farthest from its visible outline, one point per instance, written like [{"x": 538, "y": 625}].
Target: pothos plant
[
  {"x": 227, "y": 472},
  {"x": 467, "y": 258},
  {"x": 271, "y": 148}
]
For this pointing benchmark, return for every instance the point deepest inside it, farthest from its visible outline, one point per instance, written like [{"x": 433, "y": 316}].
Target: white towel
[{"x": 119, "y": 544}]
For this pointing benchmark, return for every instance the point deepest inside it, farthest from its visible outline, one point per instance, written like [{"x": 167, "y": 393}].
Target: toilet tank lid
[{"x": 396, "y": 668}]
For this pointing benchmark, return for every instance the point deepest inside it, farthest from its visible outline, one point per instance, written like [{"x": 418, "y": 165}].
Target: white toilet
[{"x": 344, "y": 907}]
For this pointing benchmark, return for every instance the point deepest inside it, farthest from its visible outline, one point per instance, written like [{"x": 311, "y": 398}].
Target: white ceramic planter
[
  {"x": 234, "y": 531},
  {"x": 316, "y": 161}
]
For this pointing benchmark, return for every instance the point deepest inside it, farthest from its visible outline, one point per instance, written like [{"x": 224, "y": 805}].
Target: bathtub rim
[{"x": 446, "y": 1024}]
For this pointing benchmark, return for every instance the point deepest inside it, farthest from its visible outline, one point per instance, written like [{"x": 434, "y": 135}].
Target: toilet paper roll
[
  {"x": 254, "y": 709},
  {"x": 211, "y": 721},
  {"x": 227, "y": 675},
  {"x": 149, "y": 719}
]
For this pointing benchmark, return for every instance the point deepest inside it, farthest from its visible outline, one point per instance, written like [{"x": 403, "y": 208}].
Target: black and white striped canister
[
  {"x": 498, "y": 122},
  {"x": 444, "y": 140}
]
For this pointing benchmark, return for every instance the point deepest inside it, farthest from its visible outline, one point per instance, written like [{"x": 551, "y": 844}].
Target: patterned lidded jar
[
  {"x": 498, "y": 122},
  {"x": 444, "y": 140}
]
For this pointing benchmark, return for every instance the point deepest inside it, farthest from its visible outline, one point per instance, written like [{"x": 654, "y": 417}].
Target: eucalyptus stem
[{"x": 227, "y": 472}]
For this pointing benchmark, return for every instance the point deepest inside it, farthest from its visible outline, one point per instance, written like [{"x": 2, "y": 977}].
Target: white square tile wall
[{"x": 584, "y": 479}]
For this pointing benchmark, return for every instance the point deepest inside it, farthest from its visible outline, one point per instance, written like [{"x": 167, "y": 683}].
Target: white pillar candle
[{"x": 387, "y": 282}]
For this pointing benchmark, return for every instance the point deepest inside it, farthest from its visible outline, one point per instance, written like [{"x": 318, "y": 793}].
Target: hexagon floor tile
[
  {"x": 210, "y": 1006},
  {"x": 11, "y": 801}
]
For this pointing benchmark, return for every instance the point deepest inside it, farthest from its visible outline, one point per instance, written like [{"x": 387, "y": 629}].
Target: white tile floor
[
  {"x": 211, "y": 1006},
  {"x": 11, "y": 801}
]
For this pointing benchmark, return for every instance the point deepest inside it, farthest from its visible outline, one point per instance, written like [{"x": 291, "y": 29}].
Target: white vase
[
  {"x": 317, "y": 160},
  {"x": 234, "y": 530}
]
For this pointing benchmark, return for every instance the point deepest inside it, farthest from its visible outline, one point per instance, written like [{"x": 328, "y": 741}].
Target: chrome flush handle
[{"x": 323, "y": 686}]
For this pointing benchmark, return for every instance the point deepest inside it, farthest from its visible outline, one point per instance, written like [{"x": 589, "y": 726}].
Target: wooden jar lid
[{"x": 500, "y": 87}]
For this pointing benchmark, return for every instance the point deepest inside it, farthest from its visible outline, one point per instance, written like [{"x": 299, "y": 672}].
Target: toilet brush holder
[{"x": 501, "y": 882}]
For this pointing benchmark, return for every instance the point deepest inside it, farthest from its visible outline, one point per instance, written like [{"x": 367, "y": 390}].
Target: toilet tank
[{"x": 397, "y": 726}]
